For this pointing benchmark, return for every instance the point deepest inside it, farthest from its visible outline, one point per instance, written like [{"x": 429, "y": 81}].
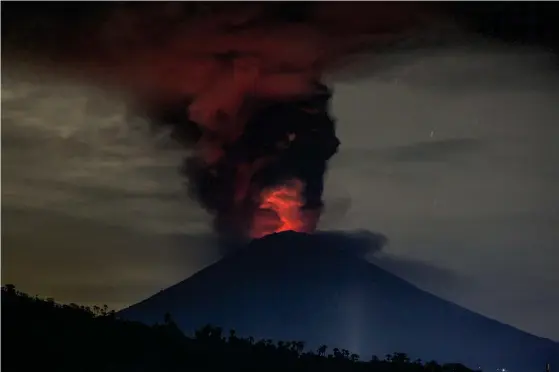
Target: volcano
[{"x": 312, "y": 288}]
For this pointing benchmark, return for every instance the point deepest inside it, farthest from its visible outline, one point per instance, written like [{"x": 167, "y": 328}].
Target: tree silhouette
[
  {"x": 354, "y": 357},
  {"x": 96, "y": 340},
  {"x": 400, "y": 358},
  {"x": 433, "y": 366},
  {"x": 10, "y": 289}
]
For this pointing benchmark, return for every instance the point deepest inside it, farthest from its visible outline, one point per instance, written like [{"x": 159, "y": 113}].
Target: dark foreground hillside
[{"x": 41, "y": 335}]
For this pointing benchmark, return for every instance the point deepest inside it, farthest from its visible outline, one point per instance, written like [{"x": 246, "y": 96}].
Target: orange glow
[{"x": 280, "y": 210}]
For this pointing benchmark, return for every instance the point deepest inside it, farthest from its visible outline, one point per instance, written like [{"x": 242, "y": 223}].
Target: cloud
[
  {"x": 462, "y": 68},
  {"x": 358, "y": 242},
  {"x": 371, "y": 245}
]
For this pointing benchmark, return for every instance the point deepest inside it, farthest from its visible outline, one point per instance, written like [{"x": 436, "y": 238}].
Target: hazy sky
[{"x": 452, "y": 154}]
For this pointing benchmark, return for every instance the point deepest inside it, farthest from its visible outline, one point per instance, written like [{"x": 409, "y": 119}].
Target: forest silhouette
[{"x": 40, "y": 334}]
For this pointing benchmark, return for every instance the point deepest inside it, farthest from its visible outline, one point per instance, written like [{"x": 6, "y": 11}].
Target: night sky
[{"x": 451, "y": 152}]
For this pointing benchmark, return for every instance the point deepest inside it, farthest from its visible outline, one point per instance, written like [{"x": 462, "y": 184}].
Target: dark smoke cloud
[
  {"x": 238, "y": 83},
  {"x": 361, "y": 243},
  {"x": 213, "y": 51},
  {"x": 304, "y": 157},
  {"x": 372, "y": 246}
]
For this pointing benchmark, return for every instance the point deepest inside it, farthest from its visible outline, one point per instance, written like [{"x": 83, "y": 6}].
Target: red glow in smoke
[{"x": 280, "y": 210}]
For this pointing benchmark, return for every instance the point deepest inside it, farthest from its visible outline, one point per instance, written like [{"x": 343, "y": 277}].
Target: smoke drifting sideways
[{"x": 240, "y": 85}]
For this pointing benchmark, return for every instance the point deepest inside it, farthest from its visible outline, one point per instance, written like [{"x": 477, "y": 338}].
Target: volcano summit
[{"x": 293, "y": 286}]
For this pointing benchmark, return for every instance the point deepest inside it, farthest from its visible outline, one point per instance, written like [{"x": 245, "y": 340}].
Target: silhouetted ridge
[{"x": 93, "y": 339}]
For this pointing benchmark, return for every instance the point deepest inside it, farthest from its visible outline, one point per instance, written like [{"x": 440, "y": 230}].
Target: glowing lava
[{"x": 280, "y": 210}]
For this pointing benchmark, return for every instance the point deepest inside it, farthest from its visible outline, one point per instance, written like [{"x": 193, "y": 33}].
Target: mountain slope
[{"x": 301, "y": 287}]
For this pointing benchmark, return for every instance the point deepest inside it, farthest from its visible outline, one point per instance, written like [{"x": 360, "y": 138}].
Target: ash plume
[{"x": 239, "y": 84}]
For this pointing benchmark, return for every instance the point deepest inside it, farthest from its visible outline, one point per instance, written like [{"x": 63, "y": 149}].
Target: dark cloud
[
  {"x": 160, "y": 48},
  {"x": 358, "y": 242},
  {"x": 371, "y": 245}
]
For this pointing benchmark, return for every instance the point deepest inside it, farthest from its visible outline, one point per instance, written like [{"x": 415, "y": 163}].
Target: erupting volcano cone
[{"x": 293, "y": 286}]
